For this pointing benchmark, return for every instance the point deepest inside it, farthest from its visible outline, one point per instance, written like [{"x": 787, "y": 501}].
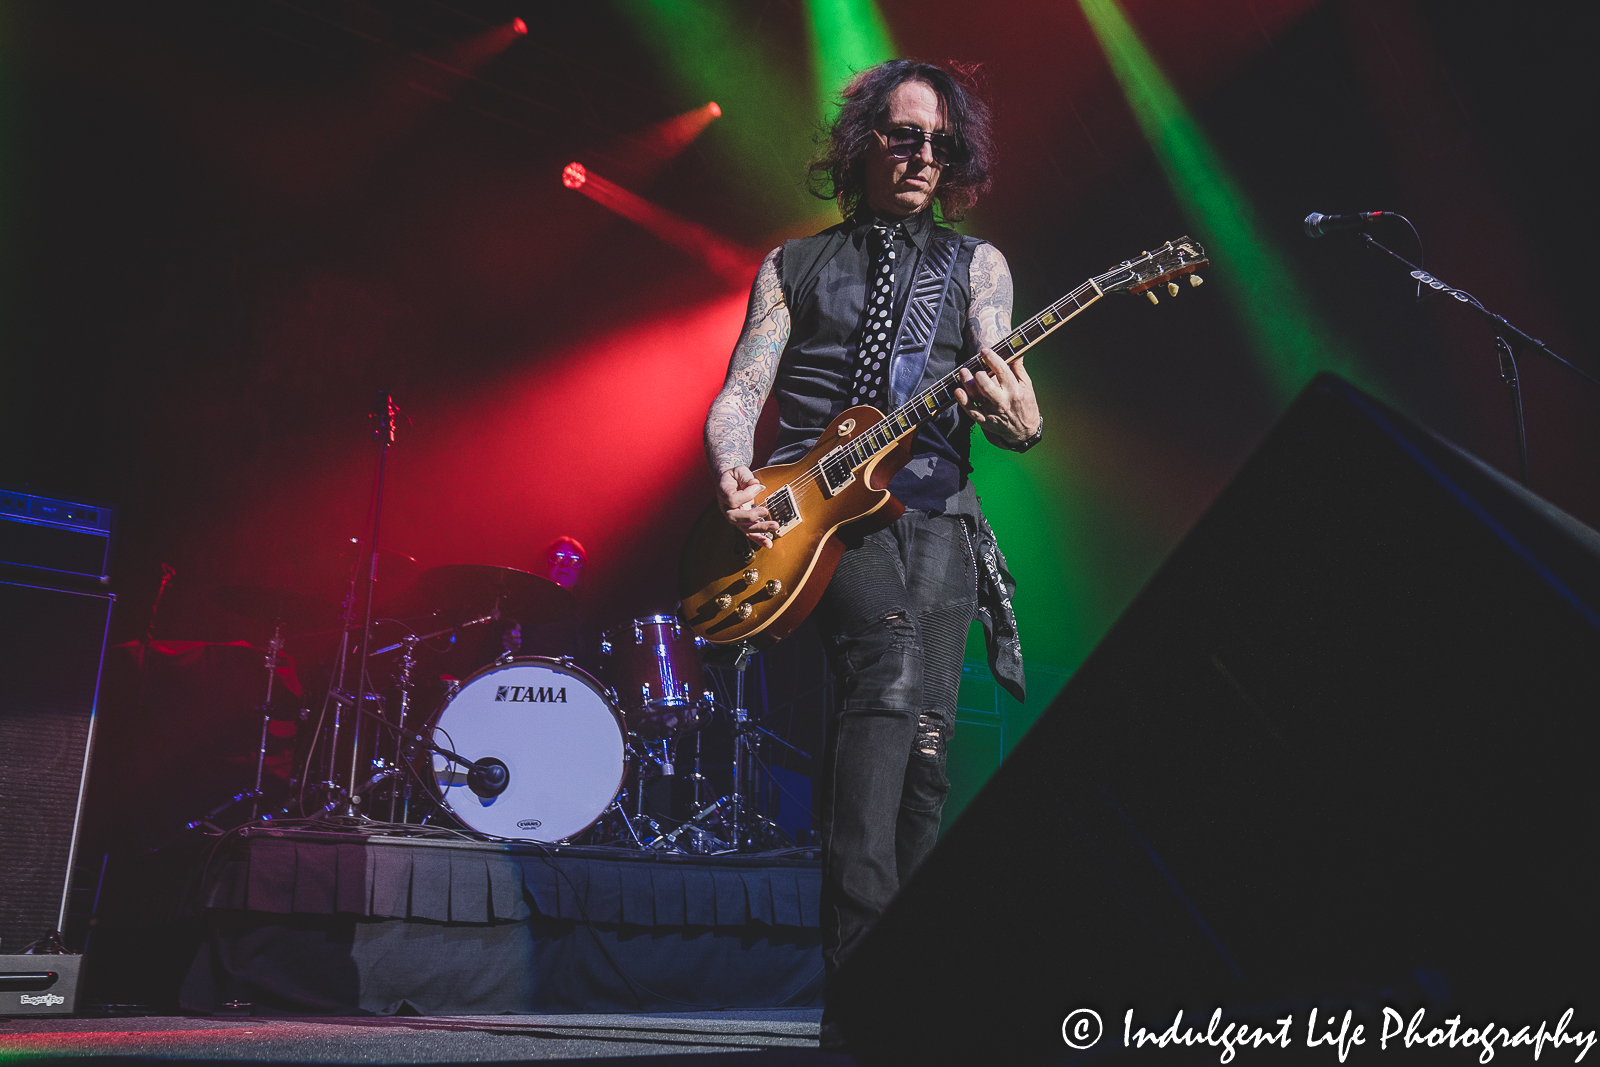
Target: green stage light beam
[
  {"x": 847, "y": 36},
  {"x": 1290, "y": 341}
]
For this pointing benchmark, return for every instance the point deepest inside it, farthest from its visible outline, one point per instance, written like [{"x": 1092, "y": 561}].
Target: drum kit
[{"x": 531, "y": 748}]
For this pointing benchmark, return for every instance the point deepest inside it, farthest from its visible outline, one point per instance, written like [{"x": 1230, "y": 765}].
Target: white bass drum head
[{"x": 560, "y": 738}]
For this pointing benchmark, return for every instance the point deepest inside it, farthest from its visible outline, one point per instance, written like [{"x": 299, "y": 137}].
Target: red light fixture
[
  {"x": 518, "y": 26},
  {"x": 715, "y": 109},
  {"x": 573, "y": 175}
]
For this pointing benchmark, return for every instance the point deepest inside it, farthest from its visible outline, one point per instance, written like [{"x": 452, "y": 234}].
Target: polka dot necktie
[{"x": 877, "y": 336}]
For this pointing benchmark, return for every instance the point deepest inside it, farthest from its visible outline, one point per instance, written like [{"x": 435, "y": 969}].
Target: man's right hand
[{"x": 737, "y": 490}]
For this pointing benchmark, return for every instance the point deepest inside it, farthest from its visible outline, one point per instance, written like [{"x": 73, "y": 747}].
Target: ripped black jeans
[{"x": 894, "y": 620}]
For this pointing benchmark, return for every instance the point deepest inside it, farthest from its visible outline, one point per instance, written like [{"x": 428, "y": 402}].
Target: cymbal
[
  {"x": 467, "y": 589},
  {"x": 295, "y": 611}
]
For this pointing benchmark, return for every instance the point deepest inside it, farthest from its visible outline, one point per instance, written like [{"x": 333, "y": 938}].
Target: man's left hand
[{"x": 1000, "y": 399}]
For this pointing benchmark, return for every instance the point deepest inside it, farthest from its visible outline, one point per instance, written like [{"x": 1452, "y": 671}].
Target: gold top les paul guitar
[{"x": 733, "y": 591}]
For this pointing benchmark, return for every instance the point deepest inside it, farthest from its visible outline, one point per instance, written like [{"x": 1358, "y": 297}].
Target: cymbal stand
[{"x": 275, "y": 647}]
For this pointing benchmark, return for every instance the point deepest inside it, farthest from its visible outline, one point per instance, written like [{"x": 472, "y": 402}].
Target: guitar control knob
[
  {"x": 745, "y": 611},
  {"x": 1172, "y": 288},
  {"x": 774, "y": 587},
  {"x": 752, "y": 576},
  {"x": 1195, "y": 279},
  {"x": 724, "y": 602}
]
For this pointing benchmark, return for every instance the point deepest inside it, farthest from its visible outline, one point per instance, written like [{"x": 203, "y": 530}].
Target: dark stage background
[{"x": 224, "y": 226}]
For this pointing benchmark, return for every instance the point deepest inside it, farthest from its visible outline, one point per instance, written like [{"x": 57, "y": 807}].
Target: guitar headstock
[{"x": 1164, "y": 266}]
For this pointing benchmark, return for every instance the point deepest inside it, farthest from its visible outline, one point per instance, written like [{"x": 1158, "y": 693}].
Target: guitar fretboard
[{"x": 941, "y": 394}]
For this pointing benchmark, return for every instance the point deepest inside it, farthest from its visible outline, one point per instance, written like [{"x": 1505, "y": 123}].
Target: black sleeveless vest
[{"x": 824, "y": 280}]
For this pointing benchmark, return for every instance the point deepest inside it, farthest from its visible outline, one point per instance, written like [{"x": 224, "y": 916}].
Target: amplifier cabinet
[
  {"x": 52, "y": 645},
  {"x": 62, "y": 538}
]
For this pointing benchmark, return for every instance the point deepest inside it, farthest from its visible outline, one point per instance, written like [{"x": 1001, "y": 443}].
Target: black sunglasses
[{"x": 903, "y": 142}]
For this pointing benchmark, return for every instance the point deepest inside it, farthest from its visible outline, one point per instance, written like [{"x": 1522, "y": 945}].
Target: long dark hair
[{"x": 838, "y": 172}]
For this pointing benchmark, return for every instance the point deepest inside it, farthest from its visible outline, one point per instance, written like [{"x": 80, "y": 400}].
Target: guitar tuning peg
[
  {"x": 1172, "y": 288},
  {"x": 1151, "y": 293},
  {"x": 1195, "y": 279}
]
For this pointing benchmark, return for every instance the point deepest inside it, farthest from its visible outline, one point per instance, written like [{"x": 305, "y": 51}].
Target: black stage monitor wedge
[
  {"x": 52, "y": 643},
  {"x": 1339, "y": 755}
]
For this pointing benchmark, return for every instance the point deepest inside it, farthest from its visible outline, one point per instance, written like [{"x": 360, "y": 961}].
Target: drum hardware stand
[
  {"x": 407, "y": 646},
  {"x": 652, "y": 837},
  {"x": 695, "y": 821},
  {"x": 337, "y": 792},
  {"x": 408, "y": 661},
  {"x": 275, "y": 647},
  {"x": 746, "y": 742},
  {"x": 419, "y": 638}
]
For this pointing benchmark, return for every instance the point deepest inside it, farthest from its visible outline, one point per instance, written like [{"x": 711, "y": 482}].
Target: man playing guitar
[{"x": 823, "y": 317}]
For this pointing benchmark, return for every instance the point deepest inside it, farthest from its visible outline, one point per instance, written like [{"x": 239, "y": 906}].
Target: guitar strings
[{"x": 917, "y": 405}]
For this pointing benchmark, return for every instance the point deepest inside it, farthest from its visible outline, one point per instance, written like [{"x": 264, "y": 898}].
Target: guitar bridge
[
  {"x": 836, "y": 472},
  {"x": 780, "y": 505}
]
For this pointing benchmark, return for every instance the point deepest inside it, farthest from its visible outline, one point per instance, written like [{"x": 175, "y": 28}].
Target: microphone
[
  {"x": 488, "y": 777},
  {"x": 1318, "y": 224}
]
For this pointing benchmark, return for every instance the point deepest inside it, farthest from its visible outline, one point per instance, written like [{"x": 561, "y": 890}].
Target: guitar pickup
[
  {"x": 780, "y": 505},
  {"x": 836, "y": 471}
]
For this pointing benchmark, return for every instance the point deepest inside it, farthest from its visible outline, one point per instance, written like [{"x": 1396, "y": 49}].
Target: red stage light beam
[
  {"x": 733, "y": 262},
  {"x": 473, "y": 53},
  {"x": 666, "y": 139},
  {"x": 644, "y": 153}
]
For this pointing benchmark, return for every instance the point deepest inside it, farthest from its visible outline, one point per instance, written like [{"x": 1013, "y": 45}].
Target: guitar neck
[{"x": 941, "y": 394}]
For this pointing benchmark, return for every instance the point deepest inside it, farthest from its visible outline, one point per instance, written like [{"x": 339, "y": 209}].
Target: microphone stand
[
  {"x": 1509, "y": 342},
  {"x": 487, "y": 777}
]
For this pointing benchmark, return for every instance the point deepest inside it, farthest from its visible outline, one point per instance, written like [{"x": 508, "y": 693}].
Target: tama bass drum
[{"x": 560, "y": 738}]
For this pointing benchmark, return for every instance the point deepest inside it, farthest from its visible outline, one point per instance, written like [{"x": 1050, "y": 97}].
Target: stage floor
[{"x": 771, "y": 1038}]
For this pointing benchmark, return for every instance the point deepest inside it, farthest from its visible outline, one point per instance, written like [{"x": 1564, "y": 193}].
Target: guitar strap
[{"x": 920, "y": 320}]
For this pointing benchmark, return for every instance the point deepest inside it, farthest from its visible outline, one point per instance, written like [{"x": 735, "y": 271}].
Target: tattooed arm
[
  {"x": 731, "y": 422},
  {"x": 999, "y": 399}
]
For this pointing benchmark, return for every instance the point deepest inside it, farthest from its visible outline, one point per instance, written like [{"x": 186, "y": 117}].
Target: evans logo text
[
  {"x": 529, "y": 824},
  {"x": 544, "y": 694}
]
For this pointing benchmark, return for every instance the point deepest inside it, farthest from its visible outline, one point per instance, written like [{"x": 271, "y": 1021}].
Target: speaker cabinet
[
  {"x": 1338, "y": 754},
  {"x": 52, "y": 643}
]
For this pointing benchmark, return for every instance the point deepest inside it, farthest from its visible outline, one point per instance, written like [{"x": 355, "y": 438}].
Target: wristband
[{"x": 1027, "y": 442}]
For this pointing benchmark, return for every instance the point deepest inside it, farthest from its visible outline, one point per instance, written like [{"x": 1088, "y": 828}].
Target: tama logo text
[
  {"x": 544, "y": 694},
  {"x": 43, "y": 1000}
]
